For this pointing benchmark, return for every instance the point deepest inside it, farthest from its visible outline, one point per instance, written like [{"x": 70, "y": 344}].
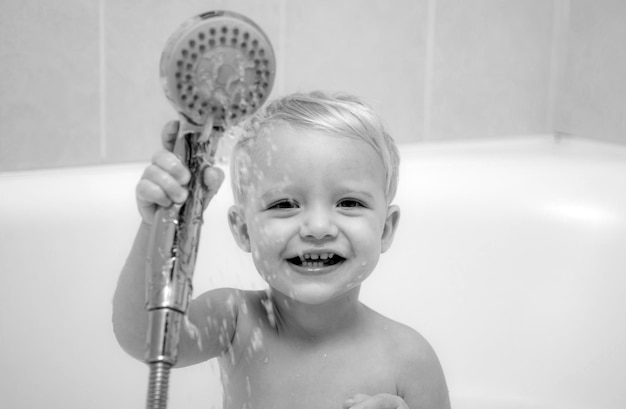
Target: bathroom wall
[
  {"x": 79, "y": 79},
  {"x": 592, "y": 91}
]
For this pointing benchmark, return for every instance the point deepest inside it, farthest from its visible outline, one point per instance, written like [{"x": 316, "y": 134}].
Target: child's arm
[{"x": 162, "y": 184}]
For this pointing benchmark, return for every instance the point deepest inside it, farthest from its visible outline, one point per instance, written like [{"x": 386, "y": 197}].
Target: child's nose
[{"x": 318, "y": 224}]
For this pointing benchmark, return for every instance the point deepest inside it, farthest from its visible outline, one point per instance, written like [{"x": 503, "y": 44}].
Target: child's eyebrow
[
  {"x": 278, "y": 191},
  {"x": 348, "y": 192}
]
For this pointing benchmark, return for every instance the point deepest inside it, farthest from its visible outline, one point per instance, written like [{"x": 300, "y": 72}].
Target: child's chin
[{"x": 318, "y": 296}]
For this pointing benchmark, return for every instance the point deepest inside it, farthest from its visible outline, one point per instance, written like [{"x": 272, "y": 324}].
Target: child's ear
[
  {"x": 391, "y": 224},
  {"x": 239, "y": 228}
]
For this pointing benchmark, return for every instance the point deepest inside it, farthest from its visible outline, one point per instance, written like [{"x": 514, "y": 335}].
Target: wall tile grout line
[
  {"x": 102, "y": 82},
  {"x": 280, "y": 53},
  {"x": 429, "y": 66},
  {"x": 558, "y": 59}
]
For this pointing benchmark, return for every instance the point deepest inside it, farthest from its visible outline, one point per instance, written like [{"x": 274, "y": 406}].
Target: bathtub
[{"x": 510, "y": 258}]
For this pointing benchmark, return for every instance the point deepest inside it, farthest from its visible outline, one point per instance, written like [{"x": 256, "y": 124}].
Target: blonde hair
[{"x": 341, "y": 114}]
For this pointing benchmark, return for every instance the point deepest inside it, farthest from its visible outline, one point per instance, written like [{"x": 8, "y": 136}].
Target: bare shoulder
[
  {"x": 225, "y": 305},
  {"x": 419, "y": 376},
  {"x": 401, "y": 341},
  {"x": 211, "y": 323}
]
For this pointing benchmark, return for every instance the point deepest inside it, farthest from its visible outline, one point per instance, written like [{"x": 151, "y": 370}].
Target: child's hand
[
  {"x": 163, "y": 181},
  {"x": 380, "y": 401}
]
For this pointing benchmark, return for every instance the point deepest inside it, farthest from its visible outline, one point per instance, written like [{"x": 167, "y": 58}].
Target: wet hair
[{"x": 340, "y": 114}]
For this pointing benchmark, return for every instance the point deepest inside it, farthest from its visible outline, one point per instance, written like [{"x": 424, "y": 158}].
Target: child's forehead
[
  {"x": 289, "y": 152},
  {"x": 284, "y": 138}
]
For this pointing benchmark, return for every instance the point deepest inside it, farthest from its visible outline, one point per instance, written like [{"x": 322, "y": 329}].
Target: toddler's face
[{"x": 316, "y": 217}]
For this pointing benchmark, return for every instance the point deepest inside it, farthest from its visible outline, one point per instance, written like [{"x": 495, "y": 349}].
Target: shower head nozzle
[{"x": 219, "y": 67}]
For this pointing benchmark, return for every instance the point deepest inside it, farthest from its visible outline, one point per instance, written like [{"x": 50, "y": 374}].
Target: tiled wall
[
  {"x": 79, "y": 78},
  {"x": 49, "y": 84},
  {"x": 592, "y": 90},
  {"x": 490, "y": 68}
]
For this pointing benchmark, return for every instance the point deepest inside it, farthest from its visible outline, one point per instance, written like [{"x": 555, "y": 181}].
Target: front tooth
[
  {"x": 324, "y": 256},
  {"x": 315, "y": 256}
]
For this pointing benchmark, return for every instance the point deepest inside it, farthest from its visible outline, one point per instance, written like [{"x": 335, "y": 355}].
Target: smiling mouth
[{"x": 316, "y": 260}]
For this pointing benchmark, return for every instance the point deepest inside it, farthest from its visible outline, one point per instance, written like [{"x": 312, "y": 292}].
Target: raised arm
[{"x": 162, "y": 184}]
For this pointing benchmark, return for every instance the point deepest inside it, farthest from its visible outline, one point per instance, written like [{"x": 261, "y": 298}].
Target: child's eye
[
  {"x": 350, "y": 203},
  {"x": 283, "y": 204}
]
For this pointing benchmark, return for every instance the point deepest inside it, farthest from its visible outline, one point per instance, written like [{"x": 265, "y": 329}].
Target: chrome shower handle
[{"x": 216, "y": 69}]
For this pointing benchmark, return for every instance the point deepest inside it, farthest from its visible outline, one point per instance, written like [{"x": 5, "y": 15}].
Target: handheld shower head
[
  {"x": 219, "y": 66},
  {"x": 216, "y": 69}
]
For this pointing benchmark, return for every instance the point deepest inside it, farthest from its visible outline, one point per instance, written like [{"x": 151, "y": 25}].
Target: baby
[{"x": 314, "y": 178}]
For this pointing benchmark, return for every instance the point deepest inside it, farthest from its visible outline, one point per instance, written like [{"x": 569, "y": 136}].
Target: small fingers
[
  {"x": 149, "y": 192},
  {"x": 160, "y": 184},
  {"x": 149, "y": 196},
  {"x": 379, "y": 401},
  {"x": 169, "y": 163},
  {"x": 356, "y": 399},
  {"x": 169, "y": 134}
]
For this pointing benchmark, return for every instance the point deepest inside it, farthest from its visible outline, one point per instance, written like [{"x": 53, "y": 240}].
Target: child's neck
[{"x": 317, "y": 322}]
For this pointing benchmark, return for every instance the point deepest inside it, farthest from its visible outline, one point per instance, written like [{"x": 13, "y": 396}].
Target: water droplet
[
  {"x": 231, "y": 355},
  {"x": 269, "y": 310},
  {"x": 266, "y": 360},
  {"x": 248, "y": 386},
  {"x": 192, "y": 331},
  {"x": 257, "y": 339}
]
